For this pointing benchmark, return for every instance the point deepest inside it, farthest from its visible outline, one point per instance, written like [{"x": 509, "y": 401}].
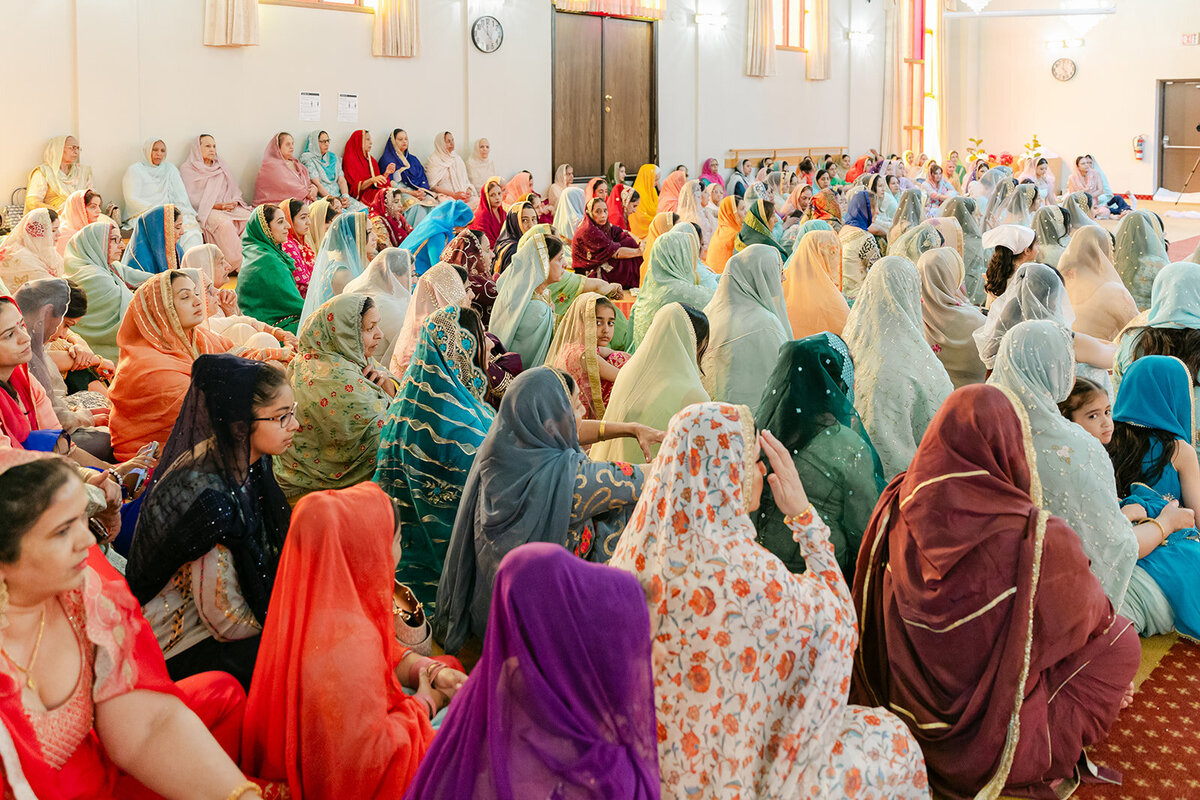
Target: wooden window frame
[
  {"x": 914, "y": 89},
  {"x": 357, "y": 6},
  {"x": 788, "y": 6}
]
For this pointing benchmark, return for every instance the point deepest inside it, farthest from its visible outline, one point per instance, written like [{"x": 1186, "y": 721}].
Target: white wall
[
  {"x": 121, "y": 71},
  {"x": 1001, "y": 87}
]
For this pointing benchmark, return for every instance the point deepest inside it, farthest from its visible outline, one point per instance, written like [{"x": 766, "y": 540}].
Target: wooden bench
[{"x": 792, "y": 155}]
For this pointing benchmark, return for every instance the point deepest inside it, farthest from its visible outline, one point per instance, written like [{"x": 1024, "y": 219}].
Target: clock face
[
  {"x": 1063, "y": 69},
  {"x": 487, "y": 34}
]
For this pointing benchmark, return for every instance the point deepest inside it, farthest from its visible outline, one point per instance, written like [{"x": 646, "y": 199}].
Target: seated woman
[
  {"x": 811, "y": 288},
  {"x": 215, "y": 195},
  {"x": 729, "y": 222},
  {"x": 160, "y": 337},
  {"x": 363, "y": 173},
  {"x": 662, "y": 377},
  {"x": 917, "y": 241},
  {"x": 645, "y": 186},
  {"x": 935, "y": 184},
  {"x": 668, "y": 195},
  {"x": 448, "y": 172},
  {"x": 898, "y": 382},
  {"x": 297, "y": 215},
  {"x": 338, "y": 441},
  {"x": 827, "y": 207},
  {"x": 91, "y": 260},
  {"x": 1035, "y": 364},
  {"x": 523, "y": 314},
  {"x": 154, "y": 245},
  {"x": 59, "y": 174},
  {"x": 564, "y": 176},
  {"x": 325, "y": 170},
  {"x": 859, "y": 247},
  {"x": 481, "y": 166},
  {"x": 1049, "y": 223},
  {"x": 429, "y": 440},
  {"x": 388, "y": 281},
  {"x": 408, "y": 175},
  {"x": 516, "y": 189},
  {"x": 962, "y": 210},
  {"x": 28, "y": 252},
  {"x": 670, "y": 278},
  {"x": 1086, "y": 176},
  {"x": 758, "y": 228},
  {"x": 350, "y": 245},
  {"x": 471, "y": 251},
  {"x": 266, "y": 287},
  {"x": 154, "y": 181},
  {"x": 337, "y": 565},
  {"x": 809, "y": 401},
  {"x": 436, "y": 289},
  {"x": 1037, "y": 171},
  {"x": 1077, "y": 208},
  {"x": 961, "y": 534},
  {"x": 520, "y": 218},
  {"x": 92, "y": 713},
  {"x": 489, "y": 214},
  {"x": 973, "y": 186},
  {"x": 387, "y": 217},
  {"x": 79, "y": 369},
  {"x": 568, "y": 214},
  {"x": 205, "y": 265},
  {"x": 321, "y": 215},
  {"x": 910, "y": 212},
  {"x": 429, "y": 237},
  {"x": 1140, "y": 252},
  {"x": 531, "y": 482},
  {"x": 281, "y": 176},
  {"x": 748, "y": 322},
  {"x": 602, "y": 737},
  {"x": 601, "y": 250},
  {"x": 1010, "y": 247},
  {"x": 596, "y": 187},
  {"x": 1019, "y": 206},
  {"x": 581, "y": 349},
  {"x": 1102, "y": 304},
  {"x": 950, "y": 319},
  {"x": 82, "y": 208},
  {"x": 1158, "y": 479},
  {"x": 212, "y": 523},
  {"x": 662, "y": 222},
  {"x": 691, "y": 542}
]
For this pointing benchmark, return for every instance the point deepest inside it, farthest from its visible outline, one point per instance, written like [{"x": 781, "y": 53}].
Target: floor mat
[{"x": 1179, "y": 251}]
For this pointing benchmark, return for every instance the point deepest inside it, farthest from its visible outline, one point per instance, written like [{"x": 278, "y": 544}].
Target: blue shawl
[
  {"x": 412, "y": 176},
  {"x": 148, "y": 249},
  {"x": 429, "y": 238}
]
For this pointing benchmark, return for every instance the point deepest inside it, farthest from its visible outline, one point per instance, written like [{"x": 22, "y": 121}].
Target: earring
[{"x": 3, "y": 604}]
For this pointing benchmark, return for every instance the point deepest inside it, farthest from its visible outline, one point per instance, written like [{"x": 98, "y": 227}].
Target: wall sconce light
[
  {"x": 861, "y": 37},
  {"x": 715, "y": 20},
  {"x": 1064, "y": 44}
]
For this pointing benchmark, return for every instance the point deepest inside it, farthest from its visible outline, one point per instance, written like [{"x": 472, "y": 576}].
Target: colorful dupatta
[
  {"x": 395, "y": 227},
  {"x": 616, "y": 206},
  {"x": 266, "y": 288},
  {"x": 28, "y": 252},
  {"x": 709, "y": 174},
  {"x": 568, "y": 214},
  {"x": 107, "y": 287},
  {"x": 146, "y": 186},
  {"x": 962, "y": 209},
  {"x": 210, "y": 184},
  {"x": 812, "y": 286},
  {"x": 153, "y": 247},
  {"x": 465, "y": 250},
  {"x": 325, "y": 169},
  {"x": 1139, "y": 254},
  {"x": 668, "y": 196},
  {"x": 409, "y": 170},
  {"x": 344, "y": 252},
  {"x": 593, "y": 248},
  {"x": 436, "y": 289},
  {"x": 516, "y": 189},
  {"x": 757, "y": 229},
  {"x": 59, "y": 185},
  {"x": 647, "y": 207},
  {"x": 489, "y": 220},
  {"x": 950, "y": 319},
  {"x": 575, "y": 351},
  {"x": 729, "y": 223},
  {"x": 670, "y": 278},
  {"x": 1102, "y": 304},
  {"x": 428, "y": 239},
  {"x": 303, "y": 256}
]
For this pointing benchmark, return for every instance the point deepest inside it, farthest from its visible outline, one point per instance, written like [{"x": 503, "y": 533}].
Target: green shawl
[
  {"x": 106, "y": 285},
  {"x": 757, "y": 229},
  {"x": 266, "y": 289},
  {"x": 670, "y": 278}
]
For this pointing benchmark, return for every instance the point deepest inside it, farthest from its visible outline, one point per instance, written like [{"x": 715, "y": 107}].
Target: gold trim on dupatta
[
  {"x": 169, "y": 236},
  {"x": 749, "y": 462},
  {"x": 591, "y": 358}
]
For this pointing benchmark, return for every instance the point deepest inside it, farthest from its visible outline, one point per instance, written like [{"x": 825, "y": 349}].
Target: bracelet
[
  {"x": 1161, "y": 527},
  {"x": 428, "y": 703},
  {"x": 414, "y": 672},
  {"x": 601, "y": 435},
  {"x": 805, "y": 517},
  {"x": 248, "y": 786}
]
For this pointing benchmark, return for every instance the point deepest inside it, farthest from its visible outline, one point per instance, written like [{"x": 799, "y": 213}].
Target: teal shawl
[
  {"x": 266, "y": 289},
  {"x": 85, "y": 261},
  {"x": 344, "y": 248}
]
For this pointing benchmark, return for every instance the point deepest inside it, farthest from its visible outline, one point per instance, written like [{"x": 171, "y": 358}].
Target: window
[
  {"x": 789, "y": 24},
  {"x": 367, "y": 6}
]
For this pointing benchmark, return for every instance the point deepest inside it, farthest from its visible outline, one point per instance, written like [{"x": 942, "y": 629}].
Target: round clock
[
  {"x": 1063, "y": 69},
  {"x": 488, "y": 34}
]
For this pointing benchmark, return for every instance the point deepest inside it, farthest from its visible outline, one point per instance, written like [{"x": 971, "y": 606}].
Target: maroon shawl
[
  {"x": 592, "y": 247},
  {"x": 979, "y": 577},
  {"x": 464, "y": 250},
  {"x": 398, "y": 227}
]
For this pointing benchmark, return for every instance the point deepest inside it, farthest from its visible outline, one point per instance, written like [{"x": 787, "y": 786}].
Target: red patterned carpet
[{"x": 1154, "y": 742}]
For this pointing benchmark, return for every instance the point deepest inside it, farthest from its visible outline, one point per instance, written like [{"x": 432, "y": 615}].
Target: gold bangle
[
  {"x": 805, "y": 517},
  {"x": 601, "y": 435},
  {"x": 1161, "y": 527},
  {"x": 248, "y": 786}
]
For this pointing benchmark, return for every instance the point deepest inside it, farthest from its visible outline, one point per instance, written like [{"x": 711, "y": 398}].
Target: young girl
[
  {"x": 580, "y": 348},
  {"x": 296, "y": 214},
  {"x": 1158, "y": 479},
  {"x": 1088, "y": 407}
]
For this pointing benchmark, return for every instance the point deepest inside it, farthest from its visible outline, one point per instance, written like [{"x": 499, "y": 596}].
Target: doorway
[
  {"x": 604, "y": 101},
  {"x": 1179, "y": 104}
]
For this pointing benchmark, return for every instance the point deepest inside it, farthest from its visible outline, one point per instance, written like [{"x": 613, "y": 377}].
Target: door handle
[{"x": 608, "y": 97}]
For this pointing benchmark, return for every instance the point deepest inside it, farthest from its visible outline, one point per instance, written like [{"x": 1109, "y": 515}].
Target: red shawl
[
  {"x": 326, "y": 711},
  {"x": 616, "y": 206},
  {"x": 398, "y": 227},
  {"x": 489, "y": 220},
  {"x": 358, "y": 166},
  {"x": 17, "y": 423},
  {"x": 858, "y": 168},
  {"x": 979, "y": 576},
  {"x": 590, "y": 191}
]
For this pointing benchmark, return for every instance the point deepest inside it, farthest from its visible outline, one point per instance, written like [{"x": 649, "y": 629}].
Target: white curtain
[
  {"x": 895, "y": 74},
  {"x": 648, "y": 9},
  {"x": 760, "y": 38},
  {"x": 395, "y": 29},
  {"x": 230, "y": 23},
  {"x": 817, "y": 41}
]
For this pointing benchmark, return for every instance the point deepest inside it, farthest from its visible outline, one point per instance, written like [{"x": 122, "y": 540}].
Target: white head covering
[
  {"x": 439, "y": 287},
  {"x": 387, "y": 279},
  {"x": 1015, "y": 237}
]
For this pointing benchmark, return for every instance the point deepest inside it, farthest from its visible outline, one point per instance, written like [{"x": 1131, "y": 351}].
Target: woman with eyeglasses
[{"x": 212, "y": 524}]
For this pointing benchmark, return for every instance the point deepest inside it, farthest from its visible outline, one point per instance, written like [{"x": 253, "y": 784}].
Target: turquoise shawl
[{"x": 344, "y": 248}]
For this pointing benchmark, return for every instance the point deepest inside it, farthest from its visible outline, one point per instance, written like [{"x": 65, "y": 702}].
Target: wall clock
[
  {"x": 488, "y": 34},
  {"x": 1063, "y": 69}
]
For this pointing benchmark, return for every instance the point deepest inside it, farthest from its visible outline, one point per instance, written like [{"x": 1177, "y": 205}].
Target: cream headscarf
[{"x": 950, "y": 319}]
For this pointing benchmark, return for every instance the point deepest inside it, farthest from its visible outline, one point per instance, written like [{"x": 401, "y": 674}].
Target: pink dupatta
[{"x": 279, "y": 178}]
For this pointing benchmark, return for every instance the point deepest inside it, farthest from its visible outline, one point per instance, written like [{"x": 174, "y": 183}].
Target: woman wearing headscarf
[
  {"x": 563, "y": 177},
  {"x": 809, "y": 399},
  {"x": 215, "y": 195},
  {"x": 212, "y": 523},
  {"x": 387, "y": 280},
  {"x": 327, "y": 711},
  {"x": 523, "y": 314},
  {"x": 602, "y": 250},
  {"x": 729, "y": 223},
  {"x": 489, "y": 215},
  {"x": 387, "y": 217},
  {"x": 1077, "y": 208},
  {"x": 811, "y": 289},
  {"x": 1037, "y": 171},
  {"x": 962, "y": 209},
  {"x": 1086, "y": 176},
  {"x": 266, "y": 288},
  {"x": 662, "y": 377},
  {"x": 481, "y": 166},
  {"x": 709, "y": 173},
  {"x": 515, "y": 190},
  {"x": 827, "y": 207},
  {"x": 298, "y": 216},
  {"x": 1002, "y": 185},
  {"x": 1039, "y": 676},
  {"x": 582, "y": 349},
  {"x": 90, "y": 261},
  {"x": 1102, "y": 304},
  {"x": 690, "y": 211},
  {"x": 448, "y": 172},
  {"x": 532, "y": 676},
  {"x": 470, "y": 250},
  {"x": 325, "y": 170},
  {"x": 1140, "y": 253},
  {"x": 616, "y": 202},
  {"x": 349, "y": 247},
  {"x": 207, "y": 267},
  {"x": 569, "y": 212},
  {"x": 338, "y": 440},
  {"x": 436, "y": 289},
  {"x": 408, "y": 175},
  {"x": 662, "y": 222},
  {"x": 935, "y": 184},
  {"x": 60, "y": 173},
  {"x": 758, "y": 228},
  {"x": 81, "y": 208},
  {"x": 909, "y": 214},
  {"x": 972, "y": 184},
  {"x": 518, "y": 221},
  {"x": 28, "y": 252},
  {"x": 670, "y": 278},
  {"x": 1049, "y": 223},
  {"x": 160, "y": 337},
  {"x": 950, "y": 319},
  {"x": 1019, "y": 206},
  {"x": 433, "y": 428},
  {"x": 429, "y": 237},
  {"x": 748, "y": 322},
  {"x": 530, "y": 482},
  {"x": 668, "y": 196},
  {"x": 154, "y": 245},
  {"x": 645, "y": 186},
  {"x": 899, "y": 382},
  {"x": 781, "y": 724},
  {"x": 916, "y": 242},
  {"x": 859, "y": 248},
  {"x": 154, "y": 181},
  {"x": 1037, "y": 366},
  {"x": 281, "y": 176},
  {"x": 363, "y": 175}
]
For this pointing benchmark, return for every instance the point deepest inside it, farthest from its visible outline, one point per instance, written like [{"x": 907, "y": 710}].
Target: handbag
[{"x": 412, "y": 628}]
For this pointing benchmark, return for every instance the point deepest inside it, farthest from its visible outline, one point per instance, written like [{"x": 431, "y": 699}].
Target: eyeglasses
[{"x": 285, "y": 419}]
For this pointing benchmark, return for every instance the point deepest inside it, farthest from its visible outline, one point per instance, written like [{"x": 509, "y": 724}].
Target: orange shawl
[
  {"x": 720, "y": 249},
  {"x": 812, "y": 282}
]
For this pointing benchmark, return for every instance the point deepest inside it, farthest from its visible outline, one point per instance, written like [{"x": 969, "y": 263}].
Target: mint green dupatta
[
  {"x": 522, "y": 317},
  {"x": 266, "y": 289},
  {"x": 107, "y": 286}
]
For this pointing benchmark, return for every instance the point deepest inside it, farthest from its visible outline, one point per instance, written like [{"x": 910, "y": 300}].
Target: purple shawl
[{"x": 574, "y": 698}]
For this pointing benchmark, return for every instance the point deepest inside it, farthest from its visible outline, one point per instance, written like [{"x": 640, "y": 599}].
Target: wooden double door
[
  {"x": 604, "y": 103},
  {"x": 1180, "y": 104}
]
